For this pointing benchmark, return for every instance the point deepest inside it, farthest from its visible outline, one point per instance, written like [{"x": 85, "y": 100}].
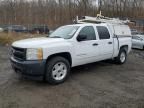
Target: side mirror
[{"x": 81, "y": 37}]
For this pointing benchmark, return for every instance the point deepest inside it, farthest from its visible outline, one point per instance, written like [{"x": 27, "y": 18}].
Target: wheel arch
[
  {"x": 125, "y": 47},
  {"x": 66, "y": 55}
]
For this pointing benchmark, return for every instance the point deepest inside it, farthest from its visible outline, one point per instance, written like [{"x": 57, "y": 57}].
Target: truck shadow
[{"x": 92, "y": 66}]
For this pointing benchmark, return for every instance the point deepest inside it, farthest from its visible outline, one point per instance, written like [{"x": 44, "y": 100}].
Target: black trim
[
  {"x": 117, "y": 40},
  {"x": 122, "y": 36},
  {"x": 28, "y": 68},
  {"x": 18, "y": 53}
]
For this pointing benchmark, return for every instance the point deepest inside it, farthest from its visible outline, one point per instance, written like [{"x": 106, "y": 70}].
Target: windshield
[
  {"x": 65, "y": 32},
  {"x": 141, "y": 36}
]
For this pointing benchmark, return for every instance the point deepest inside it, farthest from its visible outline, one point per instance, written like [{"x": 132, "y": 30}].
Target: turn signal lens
[{"x": 40, "y": 54}]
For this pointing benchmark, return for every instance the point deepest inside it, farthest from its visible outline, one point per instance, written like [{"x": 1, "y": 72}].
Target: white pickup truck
[{"x": 52, "y": 57}]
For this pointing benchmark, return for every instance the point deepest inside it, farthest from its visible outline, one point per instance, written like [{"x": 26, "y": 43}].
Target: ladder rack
[{"x": 100, "y": 19}]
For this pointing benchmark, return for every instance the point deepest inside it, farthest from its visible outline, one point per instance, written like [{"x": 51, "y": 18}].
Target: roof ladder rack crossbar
[{"x": 100, "y": 19}]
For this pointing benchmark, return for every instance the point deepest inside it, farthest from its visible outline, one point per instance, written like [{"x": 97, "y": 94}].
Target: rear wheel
[
  {"x": 58, "y": 69},
  {"x": 122, "y": 57}
]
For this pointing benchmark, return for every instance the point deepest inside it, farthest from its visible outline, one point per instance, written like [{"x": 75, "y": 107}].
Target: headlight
[{"x": 34, "y": 54}]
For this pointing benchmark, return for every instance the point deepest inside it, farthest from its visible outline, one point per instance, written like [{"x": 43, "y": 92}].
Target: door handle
[
  {"x": 95, "y": 44},
  {"x": 109, "y": 42}
]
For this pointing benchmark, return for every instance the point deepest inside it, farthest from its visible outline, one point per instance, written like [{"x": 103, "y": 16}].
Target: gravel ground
[{"x": 96, "y": 85}]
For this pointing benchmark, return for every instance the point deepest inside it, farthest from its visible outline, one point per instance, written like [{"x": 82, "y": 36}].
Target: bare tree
[{"x": 58, "y": 12}]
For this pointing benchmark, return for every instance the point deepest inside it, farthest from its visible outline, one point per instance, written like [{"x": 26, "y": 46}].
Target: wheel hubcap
[
  {"x": 59, "y": 71},
  {"x": 123, "y": 57}
]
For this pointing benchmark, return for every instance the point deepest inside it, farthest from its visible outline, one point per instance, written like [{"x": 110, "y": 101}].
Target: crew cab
[{"x": 51, "y": 58}]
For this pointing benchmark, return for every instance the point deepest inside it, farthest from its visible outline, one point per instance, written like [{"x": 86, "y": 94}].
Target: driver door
[{"x": 87, "y": 50}]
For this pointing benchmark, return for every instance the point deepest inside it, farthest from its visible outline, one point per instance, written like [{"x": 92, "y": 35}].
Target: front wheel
[
  {"x": 58, "y": 69},
  {"x": 122, "y": 57}
]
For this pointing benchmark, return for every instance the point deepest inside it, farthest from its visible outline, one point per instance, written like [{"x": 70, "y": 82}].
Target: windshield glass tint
[{"x": 65, "y": 32}]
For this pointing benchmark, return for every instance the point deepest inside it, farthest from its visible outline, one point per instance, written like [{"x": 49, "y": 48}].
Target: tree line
[
  {"x": 58, "y": 12},
  {"x": 123, "y": 8}
]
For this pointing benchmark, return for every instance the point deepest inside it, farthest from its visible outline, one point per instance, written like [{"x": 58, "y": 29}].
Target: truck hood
[{"x": 37, "y": 42}]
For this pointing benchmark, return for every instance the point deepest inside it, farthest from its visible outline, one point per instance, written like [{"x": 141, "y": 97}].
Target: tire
[
  {"x": 122, "y": 57},
  {"x": 58, "y": 70}
]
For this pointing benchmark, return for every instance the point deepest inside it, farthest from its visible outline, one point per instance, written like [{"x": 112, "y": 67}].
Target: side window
[
  {"x": 136, "y": 38},
  {"x": 103, "y": 32},
  {"x": 89, "y": 32}
]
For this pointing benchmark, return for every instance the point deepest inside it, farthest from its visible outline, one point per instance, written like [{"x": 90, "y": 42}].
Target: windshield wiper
[{"x": 55, "y": 37}]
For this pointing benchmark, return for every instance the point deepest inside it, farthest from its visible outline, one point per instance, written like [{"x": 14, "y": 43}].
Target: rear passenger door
[{"x": 105, "y": 42}]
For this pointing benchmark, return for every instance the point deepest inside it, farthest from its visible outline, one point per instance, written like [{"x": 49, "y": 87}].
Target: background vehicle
[
  {"x": 39, "y": 29},
  {"x": 138, "y": 41},
  {"x": 15, "y": 28},
  {"x": 1, "y": 30},
  {"x": 142, "y": 33},
  {"x": 134, "y": 32}
]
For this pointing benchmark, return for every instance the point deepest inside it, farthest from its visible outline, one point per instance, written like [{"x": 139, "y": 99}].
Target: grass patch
[{"x": 9, "y": 38}]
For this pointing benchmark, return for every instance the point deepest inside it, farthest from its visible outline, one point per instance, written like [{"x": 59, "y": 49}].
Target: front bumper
[{"x": 29, "y": 68}]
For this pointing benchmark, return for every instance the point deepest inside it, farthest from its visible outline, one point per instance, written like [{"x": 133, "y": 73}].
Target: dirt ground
[{"x": 96, "y": 85}]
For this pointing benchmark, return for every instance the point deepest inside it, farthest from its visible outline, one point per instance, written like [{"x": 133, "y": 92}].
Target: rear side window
[
  {"x": 89, "y": 32},
  {"x": 136, "y": 38},
  {"x": 103, "y": 32}
]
